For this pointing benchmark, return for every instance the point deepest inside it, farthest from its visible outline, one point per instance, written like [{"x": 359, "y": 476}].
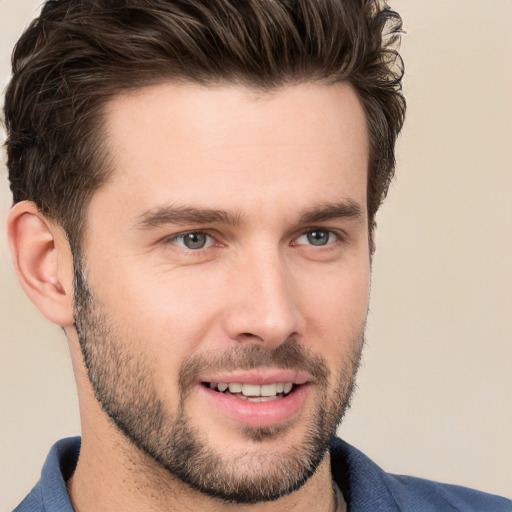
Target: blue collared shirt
[{"x": 365, "y": 486}]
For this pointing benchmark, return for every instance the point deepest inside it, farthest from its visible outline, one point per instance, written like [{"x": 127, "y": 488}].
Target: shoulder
[
  {"x": 50, "y": 494},
  {"x": 32, "y": 503},
  {"x": 412, "y": 493},
  {"x": 367, "y": 487}
]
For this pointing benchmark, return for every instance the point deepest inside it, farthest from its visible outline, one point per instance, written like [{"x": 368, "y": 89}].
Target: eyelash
[
  {"x": 180, "y": 236},
  {"x": 330, "y": 234}
]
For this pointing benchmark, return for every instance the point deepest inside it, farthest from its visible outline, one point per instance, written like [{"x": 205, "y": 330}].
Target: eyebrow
[
  {"x": 160, "y": 216},
  {"x": 330, "y": 211},
  {"x": 184, "y": 215}
]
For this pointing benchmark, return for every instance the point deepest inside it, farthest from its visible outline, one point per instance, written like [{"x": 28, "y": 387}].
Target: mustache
[{"x": 288, "y": 356}]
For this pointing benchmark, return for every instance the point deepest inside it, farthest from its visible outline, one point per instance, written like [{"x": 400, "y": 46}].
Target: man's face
[{"x": 226, "y": 261}]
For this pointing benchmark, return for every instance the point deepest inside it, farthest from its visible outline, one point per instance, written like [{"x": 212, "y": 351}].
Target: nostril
[{"x": 249, "y": 336}]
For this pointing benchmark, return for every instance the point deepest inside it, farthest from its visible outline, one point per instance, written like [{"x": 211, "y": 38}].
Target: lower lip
[{"x": 258, "y": 414}]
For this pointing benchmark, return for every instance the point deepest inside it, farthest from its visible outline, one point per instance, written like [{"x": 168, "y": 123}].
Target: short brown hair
[{"x": 78, "y": 54}]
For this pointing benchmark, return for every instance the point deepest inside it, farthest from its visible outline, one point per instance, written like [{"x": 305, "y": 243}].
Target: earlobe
[{"x": 43, "y": 262}]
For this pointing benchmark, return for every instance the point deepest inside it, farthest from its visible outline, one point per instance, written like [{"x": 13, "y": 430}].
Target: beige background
[{"x": 434, "y": 393}]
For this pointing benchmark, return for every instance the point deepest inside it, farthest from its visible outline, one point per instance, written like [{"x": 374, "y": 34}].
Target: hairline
[{"x": 104, "y": 159}]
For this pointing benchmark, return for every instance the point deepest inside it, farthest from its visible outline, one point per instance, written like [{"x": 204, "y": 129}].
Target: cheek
[
  {"x": 341, "y": 293},
  {"x": 335, "y": 312},
  {"x": 163, "y": 314}
]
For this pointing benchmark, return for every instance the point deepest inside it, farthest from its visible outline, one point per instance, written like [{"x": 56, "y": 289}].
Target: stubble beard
[{"x": 124, "y": 386}]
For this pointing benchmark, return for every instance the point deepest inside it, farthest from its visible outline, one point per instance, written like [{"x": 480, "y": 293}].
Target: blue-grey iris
[
  {"x": 194, "y": 240},
  {"x": 318, "y": 237}
]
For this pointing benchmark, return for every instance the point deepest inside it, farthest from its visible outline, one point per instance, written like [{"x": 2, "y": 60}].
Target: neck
[{"x": 120, "y": 477}]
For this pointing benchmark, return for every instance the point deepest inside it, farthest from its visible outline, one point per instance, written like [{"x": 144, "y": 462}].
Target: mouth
[
  {"x": 257, "y": 398},
  {"x": 253, "y": 392}
]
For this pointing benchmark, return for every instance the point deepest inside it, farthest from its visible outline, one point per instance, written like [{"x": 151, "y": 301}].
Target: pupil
[
  {"x": 318, "y": 237},
  {"x": 194, "y": 240}
]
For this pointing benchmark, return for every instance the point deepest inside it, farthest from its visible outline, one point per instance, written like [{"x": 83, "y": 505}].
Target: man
[{"x": 195, "y": 188}]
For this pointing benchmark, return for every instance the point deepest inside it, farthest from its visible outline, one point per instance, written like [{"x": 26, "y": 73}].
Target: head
[{"x": 216, "y": 168}]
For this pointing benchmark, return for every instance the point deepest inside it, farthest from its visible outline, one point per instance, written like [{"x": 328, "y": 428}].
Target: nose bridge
[{"x": 263, "y": 308}]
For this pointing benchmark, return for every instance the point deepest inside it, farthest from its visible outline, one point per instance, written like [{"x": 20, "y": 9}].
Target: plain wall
[{"x": 435, "y": 390}]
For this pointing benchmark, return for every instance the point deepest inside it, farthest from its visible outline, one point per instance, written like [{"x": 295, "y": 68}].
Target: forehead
[{"x": 232, "y": 144}]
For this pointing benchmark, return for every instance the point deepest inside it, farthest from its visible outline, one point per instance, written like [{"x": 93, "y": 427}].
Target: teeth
[
  {"x": 254, "y": 390},
  {"x": 251, "y": 390},
  {"x": 235, "y": 387},
  {"x": 260, "y": 398},
  {"x": 268, "y": 390}
]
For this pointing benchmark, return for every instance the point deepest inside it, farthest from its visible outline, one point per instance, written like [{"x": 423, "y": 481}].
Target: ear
[{"x": 43, "y": 262}]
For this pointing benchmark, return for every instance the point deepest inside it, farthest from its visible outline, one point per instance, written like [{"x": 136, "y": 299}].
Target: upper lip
[{"x": 259, "y": 376}]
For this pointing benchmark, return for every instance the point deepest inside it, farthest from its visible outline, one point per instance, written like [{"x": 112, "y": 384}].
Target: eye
[
  {"x": 317, "y": 237},
  {"x": 193, "y": 240}
]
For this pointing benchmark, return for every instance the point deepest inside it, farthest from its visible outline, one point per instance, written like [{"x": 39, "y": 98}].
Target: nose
[{"x": 262, "y": 306}]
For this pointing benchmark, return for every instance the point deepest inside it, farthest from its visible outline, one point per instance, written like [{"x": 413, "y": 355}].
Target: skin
[{"x": 265, "y": 159}]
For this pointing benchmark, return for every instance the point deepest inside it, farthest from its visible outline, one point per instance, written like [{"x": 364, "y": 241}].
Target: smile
[
  {"x": 257, "y": 398},
  {"x": 253, "y": 392}
]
